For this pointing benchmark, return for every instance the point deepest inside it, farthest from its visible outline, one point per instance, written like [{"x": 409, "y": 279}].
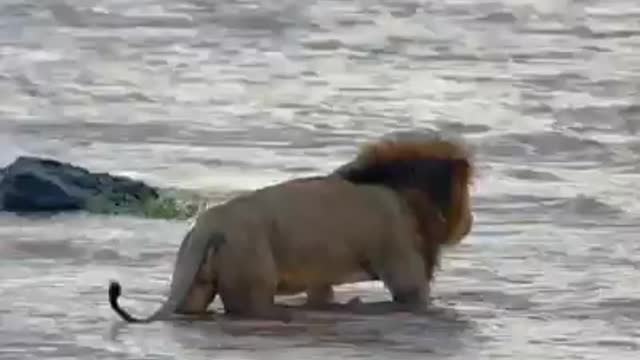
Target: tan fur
[{"x": 311, "y": 234}]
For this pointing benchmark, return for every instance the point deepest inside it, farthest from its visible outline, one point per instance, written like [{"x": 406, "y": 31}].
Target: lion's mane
[{"x": 433, "y": 175}]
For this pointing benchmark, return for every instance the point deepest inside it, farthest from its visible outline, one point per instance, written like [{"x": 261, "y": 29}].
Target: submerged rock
[{"x": 32, "y": 184}]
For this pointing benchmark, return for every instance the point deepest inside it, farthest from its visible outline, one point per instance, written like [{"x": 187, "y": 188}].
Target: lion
[{"x": 384, "y": 216}]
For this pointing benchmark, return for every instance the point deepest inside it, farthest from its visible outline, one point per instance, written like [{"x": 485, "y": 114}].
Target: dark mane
[
  {"x": 436, "y": 167},
  {"x": 431, "y": 176}
]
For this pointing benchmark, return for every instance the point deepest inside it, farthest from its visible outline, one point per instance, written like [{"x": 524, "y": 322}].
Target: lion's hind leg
[
  {"x": 251, "y": 299},
  {"x": 197, "y": 301},
  {"x": 203, "y": 289},
  {"x": 248, "y": 289}
]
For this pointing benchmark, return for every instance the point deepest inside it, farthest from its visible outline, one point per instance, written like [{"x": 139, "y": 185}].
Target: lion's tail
[{"x": 191, "y": 256}]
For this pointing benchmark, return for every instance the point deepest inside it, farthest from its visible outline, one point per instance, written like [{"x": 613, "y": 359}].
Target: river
[{"x": 223, "y": 96}]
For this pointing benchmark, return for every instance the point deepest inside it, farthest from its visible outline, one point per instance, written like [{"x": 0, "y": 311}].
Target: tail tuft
[{"x": 115, "y": 290}]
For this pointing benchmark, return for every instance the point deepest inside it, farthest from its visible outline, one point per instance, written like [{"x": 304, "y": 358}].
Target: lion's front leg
[
  {"x": 406, "y": 280},
  {"x": 319, "y": 296},
  {"x": 410, "y": 299}
]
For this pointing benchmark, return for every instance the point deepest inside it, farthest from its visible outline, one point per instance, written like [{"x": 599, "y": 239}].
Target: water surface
[{"x": 224, "y": 96}]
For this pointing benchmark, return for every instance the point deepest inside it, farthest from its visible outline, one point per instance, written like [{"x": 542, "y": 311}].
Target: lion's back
[
  {"x": 330, "y": 204},
  {"x": 303, "y": 209},
  {"x": 325, "y": 225}
]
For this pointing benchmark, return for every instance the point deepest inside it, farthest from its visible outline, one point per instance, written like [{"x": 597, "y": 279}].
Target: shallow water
[{"x": 218, "y": 97}]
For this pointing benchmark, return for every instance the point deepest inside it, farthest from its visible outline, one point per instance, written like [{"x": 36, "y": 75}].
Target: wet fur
[{"x": 385, "y": 216}]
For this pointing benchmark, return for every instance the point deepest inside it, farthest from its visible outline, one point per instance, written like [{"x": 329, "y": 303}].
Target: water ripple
[{"x": 239, "y": 94}]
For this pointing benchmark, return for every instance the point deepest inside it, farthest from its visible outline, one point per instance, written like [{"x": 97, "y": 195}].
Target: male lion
[{"x": 383, "y": 216}]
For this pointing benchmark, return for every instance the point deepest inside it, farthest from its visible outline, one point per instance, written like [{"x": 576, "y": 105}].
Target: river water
[{"x": 225, "y": 96}]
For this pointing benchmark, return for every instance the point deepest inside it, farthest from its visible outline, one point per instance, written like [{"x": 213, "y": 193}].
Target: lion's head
[{"x": 434, "y": 172}]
